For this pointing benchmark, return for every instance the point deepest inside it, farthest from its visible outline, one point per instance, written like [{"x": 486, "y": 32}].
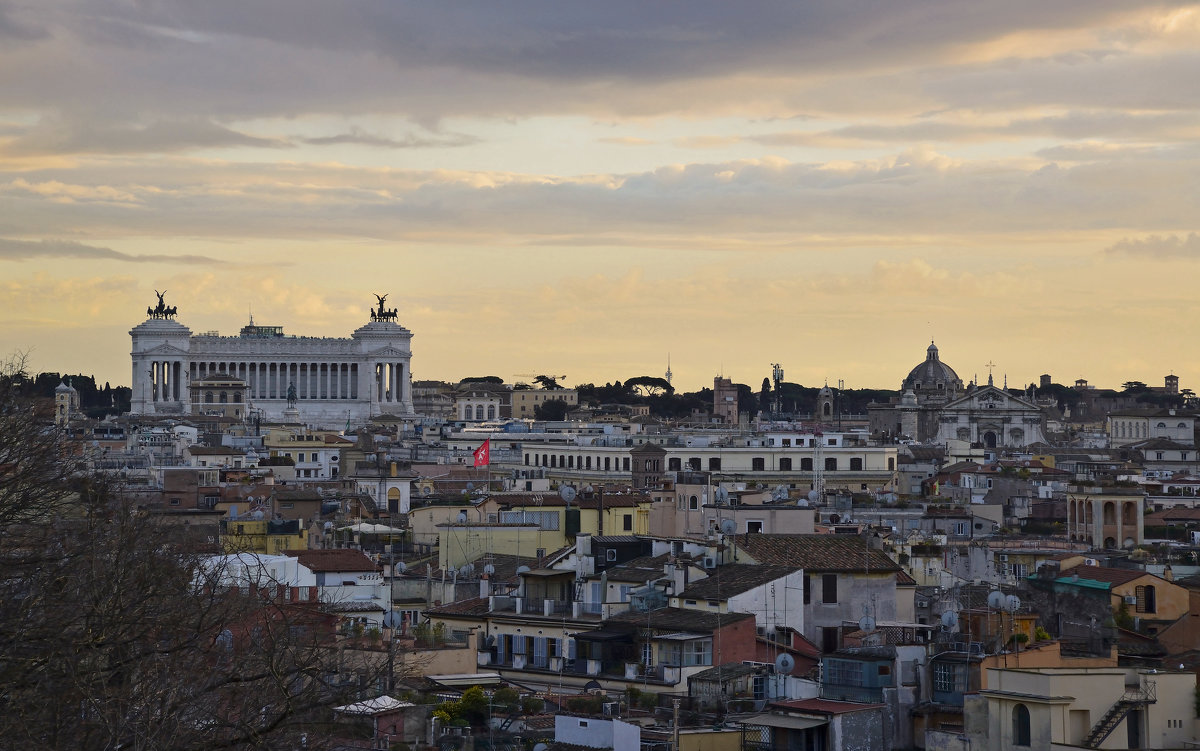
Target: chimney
[
  {"x": 1168, "y": 574},
  {"x": 485, "y": 586}
]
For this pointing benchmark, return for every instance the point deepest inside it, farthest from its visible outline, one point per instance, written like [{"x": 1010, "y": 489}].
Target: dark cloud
[
  {"x": 27, "y": 250},
  {"x": 1158, "y": 247},
  {"x": 427, "y": 60}
]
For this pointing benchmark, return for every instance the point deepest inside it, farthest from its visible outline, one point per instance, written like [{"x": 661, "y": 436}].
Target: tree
[
  {"x": 551, "y": 410},
  {"x": 650, "y": 386},
  {"x": 547, "y": 382},
  {"x": 114, "y": 633},
  {"x": 1129, "y": 386},
  {"x": 483, "y": 379}
]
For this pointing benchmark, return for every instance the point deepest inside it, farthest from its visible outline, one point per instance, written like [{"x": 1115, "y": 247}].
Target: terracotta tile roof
[
  {"x": 904, "y": 580},
  {"x": 478, "y": 606},
  {"x": 1114, "y": 577},
  {"x": 680, "y": 619},
  {"x": 334, "y": 560},
  {"x": 734, "y": 579},
  {"x": 816, "y": 552},
  {"x": 824, "y": 706}
]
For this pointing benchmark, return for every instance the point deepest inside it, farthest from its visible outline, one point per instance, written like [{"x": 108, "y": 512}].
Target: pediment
[
  {"x": 990, "y": 397},
  {"x": 166, "y": 349},
  {"x": 389, "y": 352}
]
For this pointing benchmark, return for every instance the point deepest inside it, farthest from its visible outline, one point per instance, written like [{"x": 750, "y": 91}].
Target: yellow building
[
  {"x": 267, "y": 536},
  {"x": 526, "y": 401}
]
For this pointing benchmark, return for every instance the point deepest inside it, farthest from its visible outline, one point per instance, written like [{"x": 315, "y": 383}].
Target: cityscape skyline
[{"x": 585, "y": 190}]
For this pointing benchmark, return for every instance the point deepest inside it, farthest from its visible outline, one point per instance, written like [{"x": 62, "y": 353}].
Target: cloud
[
  {"x": 161, "y": 136},
  {"x": 627, "y": 141},
  {"x": 1158, "y": 247},
  {"x": 27, "y": 250},
  {"x": 360, "y": 137}
]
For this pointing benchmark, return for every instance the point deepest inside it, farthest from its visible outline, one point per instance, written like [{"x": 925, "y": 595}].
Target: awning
[
  {"x": 548, "y": 572},
  {"x": 682, "y": 637},
  {"x": 602, "y": 635},
  {"x": 784, "y": 721},
  {"x": 467, "y": 679},
  {"x": 363, "y": 528}
]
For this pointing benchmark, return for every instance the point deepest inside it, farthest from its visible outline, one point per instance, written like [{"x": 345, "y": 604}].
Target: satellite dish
[
  {"x": 728, "y": 527},
  {"x": 462, "y": 517},
  {"x": 722, "y": 496},
  {"x": 1012, "y": 603},
  {"x": 996, "y": 600},
  {"x": 834, "y": 518},
  {"x": 523, "y": 569},
  {"x": 401, "y": 567},
  {"x": 467, "y": 570},
  {"x": 426, "y": 490},
  {"x": 813, "y": 496},
  {"x": 258, "y": 515},
  {"x": 784, "y": 663},
  {"x": 489, "y": 569},
  {"x": 780, "y": 493},
  {"x": 393, "y": 619},
  {"x": 866, "y": 623},
  {"x": 567, "y": 493},
  {"x": 540, "y": 747},
  {"x": 589, "y": 489},
  {"x": 949, "y": 620},
  {"x": 452, "y": 571}
]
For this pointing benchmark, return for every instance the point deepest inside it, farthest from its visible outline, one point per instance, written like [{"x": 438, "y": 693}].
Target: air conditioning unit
[
  {"x": 923, "y": 604},
  {"x": 1130, "y": 599},
  {"x": 710, "y": 561}
]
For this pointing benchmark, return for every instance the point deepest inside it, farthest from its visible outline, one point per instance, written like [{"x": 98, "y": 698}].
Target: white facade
[
  {"x": 334, "y": 380},
  {"x": 991, "y": 417}
]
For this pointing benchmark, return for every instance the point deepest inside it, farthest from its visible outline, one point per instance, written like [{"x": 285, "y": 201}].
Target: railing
[{"x": 864, "y": 694}]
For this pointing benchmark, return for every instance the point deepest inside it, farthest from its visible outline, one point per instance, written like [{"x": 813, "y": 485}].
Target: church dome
[{"x": 933, "y": 377}]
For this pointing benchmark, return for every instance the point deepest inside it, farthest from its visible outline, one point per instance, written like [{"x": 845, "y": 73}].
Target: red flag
[{"x": 481, "y": 454}]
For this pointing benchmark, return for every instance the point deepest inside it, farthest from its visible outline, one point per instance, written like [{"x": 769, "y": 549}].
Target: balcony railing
[{"x": 863, "y": 694}]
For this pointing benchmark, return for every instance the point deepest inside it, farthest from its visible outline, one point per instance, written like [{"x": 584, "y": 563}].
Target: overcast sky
[{"x": 583, "y": 188}]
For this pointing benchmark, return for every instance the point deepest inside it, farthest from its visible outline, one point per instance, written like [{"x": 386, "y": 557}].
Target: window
[
  {"x": 845, "y": 672},
  {"x": 829, "y": 639},
  {"x": 693, "y": 503},
  {"x": 625, "y": 464},
  {"x": 758, "y": 464},
  {"x": 891, "y": 464},
  {"x": 1145, "y": 599},
  {"x": 754, "y": 526},
  {"x": 674, "y": 464},
  {"x": 1020, "y": 725},
  {"x": 627, "y": 522},
  {"x": 943, "y": 677},
  {"x": 806, "y": 464},
  {"x": 832, "y": 442},
  {"x": 698, "y": 652},
  {"x": 785, "y": 465},
  {"x": 787, "y": 441},
  {"x": 831, "y": 464},
  {"x": 694, "y": 463},
  {"x": 829, "y": 587},
  {"x": 856, "y": 464},
  {"x": 714, "y": 464},
  {"x": 807, "y": 589}
]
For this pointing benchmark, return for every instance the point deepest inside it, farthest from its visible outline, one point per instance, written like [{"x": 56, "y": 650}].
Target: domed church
[{"x": 936, "y": 408}]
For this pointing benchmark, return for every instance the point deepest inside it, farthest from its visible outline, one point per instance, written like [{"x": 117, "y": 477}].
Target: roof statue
[
  {"x": 162, "y": 310},
  {"x": 382, "y": 313}
]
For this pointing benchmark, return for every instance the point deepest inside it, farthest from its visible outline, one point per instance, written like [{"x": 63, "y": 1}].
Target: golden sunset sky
[{"x": 583, "y": 188}]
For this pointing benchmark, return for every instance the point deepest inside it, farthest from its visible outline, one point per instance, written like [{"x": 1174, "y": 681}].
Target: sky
[{"x": 590, "y": 188}]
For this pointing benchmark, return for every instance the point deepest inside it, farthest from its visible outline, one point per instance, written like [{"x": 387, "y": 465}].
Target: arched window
[
  {"x": 1110, "y": 513},
  {"x": 491, "y": 411},
  {"x": 478, "y": 411},
  {"x": 1020, "y": 725},
  {"x": 224, "y": 398},
  {"x": 208, "y": 397}
]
